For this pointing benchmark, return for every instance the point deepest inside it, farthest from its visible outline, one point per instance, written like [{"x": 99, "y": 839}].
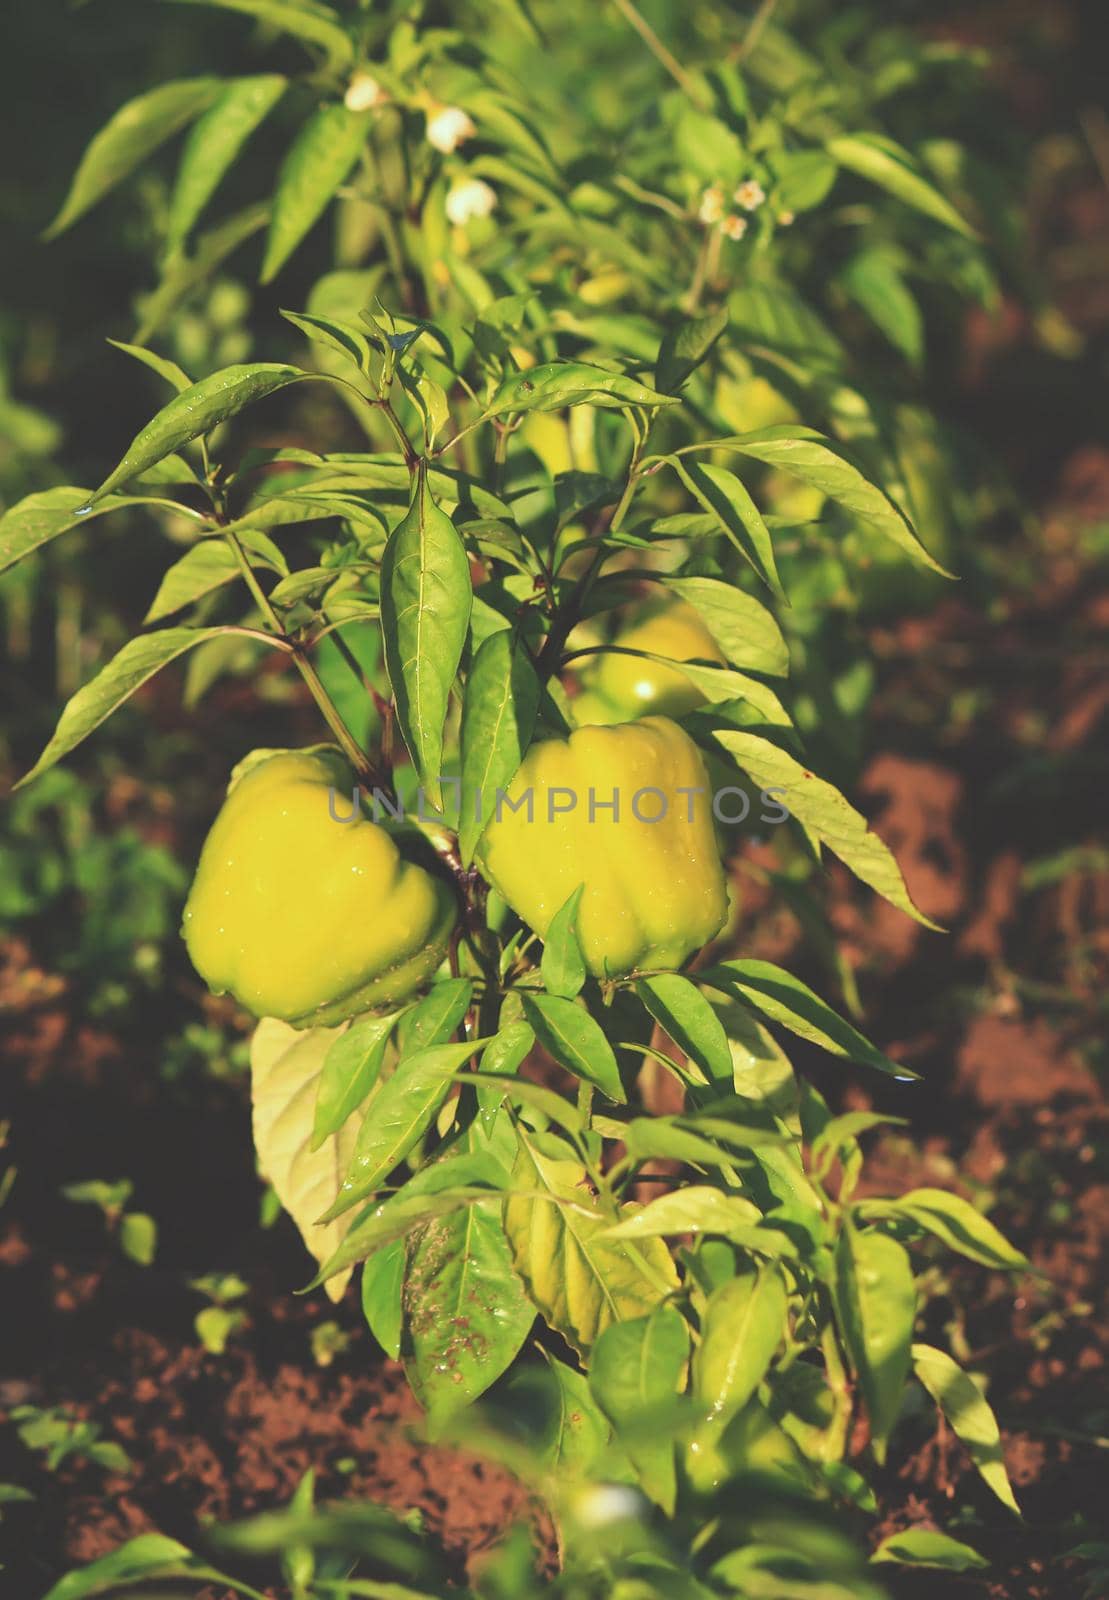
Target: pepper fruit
[
  {"x": 620, "y": 687},
  {"x": 304, "y": 917},
  {"x": 654, "y": 890}
]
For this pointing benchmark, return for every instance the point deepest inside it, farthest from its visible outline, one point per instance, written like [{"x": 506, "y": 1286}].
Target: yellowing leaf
[
  {"x": 285, "y": 1066},
  {"x": 579, "y": 1281}
]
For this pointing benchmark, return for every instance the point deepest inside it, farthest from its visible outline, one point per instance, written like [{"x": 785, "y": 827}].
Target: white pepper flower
[
  {"x": 448, "y": 127},
  {"x": 468, "y": 198},
  {"x": 364, "y": 93},
  {"x": 711, "y": 208},
  {"x": 733, "y": 226},
  {"x": 750, "y": 195}
]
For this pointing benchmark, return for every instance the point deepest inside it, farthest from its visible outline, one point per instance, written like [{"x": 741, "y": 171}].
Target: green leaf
[
  {"x": 924, "y": 1547},
  {"x": 554, "y": 384},
  {"x": 503, "y": 1055},
  {"x": 382, "y": 1292},
  {"x": 197, "y": 411},
  {"x": 183, "y": 274},
  {"x": 876, "y": 1303},
  {"x": 574, "y": 1430},
  {"x": 743, "y": 1324},
  {"x": 133, "y": 134},
  {"x": 969, "y": 1413},
  {"x": 580, "y": 1282},
  {"x": 322, "y": 158},
  {"x": 498, "y": 718},
  {"x": 680, "y": 1007},
  {"x": 205, "y": 567},
  {"x": 578, "y": 1043},
  {"x": 891, "y": 167},
  {"x": 150, "y": 1555},
  {"x": 956, "y": 1222},
  {"x": 727, "y": 498},
  {"x": 694, "y": 1208},
  {"x": 342, "y": 337},
  {"x": 174, "y": 375},
  {"x": 401, "y": 1113},
  {"x": 874, "y": 282},
  {"x": 137, "y": 662},
  {"x": 436, "y": 1017},
  {"x": 349, "y": 1073},
  {"x": 213, "y": 145},
  {"x": 747, "y": 633},
  {"x": 822, "y": 809},
  {"x": 685, "y": 346},
  {"x": 466, "y": 1311},
  {"x": 563, "y": 966},
  {"x": 638, "y": 1365},
  {"x": 426, "y": 595},
  {"x": 786, "y": 1000},
  {"x": 285, "y": 1070},
  {"x": 809, "y": 457},
  {"x": 138, "y": 1237},
  {"x": 312, "y": 23},
  {"x": 803, "y": 178},
  {"x": 34, "y": 521}
]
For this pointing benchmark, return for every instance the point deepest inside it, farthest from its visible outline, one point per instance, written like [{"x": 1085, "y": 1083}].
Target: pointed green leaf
[
  {"x": 382, "y": 1291},
  {"x": 685, "y": 346},
  {"x": 204, "y": 568},
  {"x": 578, "y": 1043},
  {"x": 169, "y": 370},
  {"x": 744, "y": 1323},
  {"x": 956, "y": 1222},
  {"x": 969, "y": 1414},
  {"x": 814, "y": 461},
  {"x": 777, "y": 994},
  {"x": 694, "y": 1208},
  {"x": 401, "y": 1113},
  {"x": 34, "y": 521},
  {"x": 822, "y": 809},
  {"x": 426, "y": 594},
  {"x": 636, "y": 1366},
  {"x": 148, "y": 1556},
  {"x": 138, "y": 661},
  {"x": 133, "y": 134},
  {"x": 498, "y": 719},
  {"x": 747, "y": 633},
  {"x": 322, "y": 157},
  {"x": 562, "y": 965},
  {"x": 213, "y": 145},
  {"x": 926, "y": 1547},
  {"x": 891, "y": 167},
  {"x": 727, "y": 498},
  {"x": 876, "y": 1304},
  {"x": 555, "y": 384},
  {"x": 679, "y": 1006},
  {"x": 350, "y": 1071},
  {"x": 197, "y": 411},
  {"x": 436, "y": 1017},
  {"x": 466, "y": 1311},
  {"x": 875, "y": 283},
  {"x": 307, "y": 20}
]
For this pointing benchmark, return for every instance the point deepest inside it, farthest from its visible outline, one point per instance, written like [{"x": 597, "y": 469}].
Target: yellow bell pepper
[
  {"x": 654, "y": 887},
  {"x": 303, "y": 915},
  {"x": 632, "y": 686}
]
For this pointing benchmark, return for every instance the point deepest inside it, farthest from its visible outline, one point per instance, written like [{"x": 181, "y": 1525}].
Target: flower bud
[
  {"x": 469, "y": 198},
  {"x": 364, "y": 93},
  {"x": 448, "y": 127}
]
